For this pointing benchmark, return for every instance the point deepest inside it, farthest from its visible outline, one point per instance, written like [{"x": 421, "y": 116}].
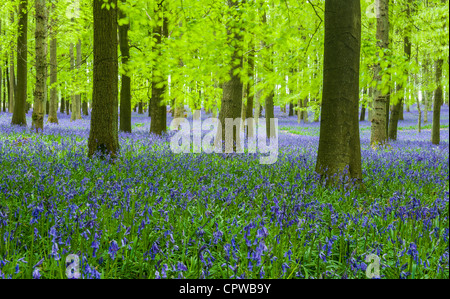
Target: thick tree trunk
[
  {"x": 435, "y": 131},
  {"x": 103, "y": 135},
  {"x": 232, "y": 91},
  {"x": 125, "y": 90},
  {"x": 339, "y": 144},
  {"x": 41, "y": 66},
  {"x": 53, "y": 109},
  {"x": 381, "y": 101},
  {"x": 18, "y": 117},
  {"x": 268, "y": 101},
  {"x": 158, "y": 109}
]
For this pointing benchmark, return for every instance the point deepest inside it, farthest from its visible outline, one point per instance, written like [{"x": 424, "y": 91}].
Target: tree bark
[
  {"x": 125, "y": 90},
  {"x": 158, "y": 111},
  {"x": 379, "y": 125},
  {"x": 103, "y": 135},
  {"x": 435, "y": 131},
  {"x": 53, "y": 107},
  {"x": 339, "y": 143},
  {"x": 232, "y": 89},
  {"x": 18, "y": 117},
  {"x": 41, "y": 66}
]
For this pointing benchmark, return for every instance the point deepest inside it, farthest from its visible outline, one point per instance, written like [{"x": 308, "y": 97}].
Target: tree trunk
[
  {"x": 18, "y": 117},
  {"x": 12, "y": 79},
  {"x": 435, "y": 131},
  {"x": 339, "y": 144},
  {"x": 103, "y": 135},
  {"x": 291, "y": 109},
  {"x": 125, "y": 90},
  {"x": 53, "y": 109},
  {"x": 41, "y": 66},
  {"x": 362, "y": 117},
  {"x": 232, "y": 90},
  {"x": 76, "y": 99},
  {"x": 305, "y": 112},
  {"x": 158, "y": 111},
  {"x": 379, "y": 125}
]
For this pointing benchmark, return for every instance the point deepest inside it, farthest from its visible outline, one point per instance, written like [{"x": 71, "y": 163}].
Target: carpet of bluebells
[{"x": 157, "y": 214}]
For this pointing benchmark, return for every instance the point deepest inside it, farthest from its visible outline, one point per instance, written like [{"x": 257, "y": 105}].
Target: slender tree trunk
[
  {"x": 362, "y": 117},
  {"x": 435, "y": 131},
  {"x": 305, "y": 112},
  {"x": 76, "y": 98},
  {"x": 12, "y": 79},
  {"x": 18, "y": 117},
  {"x": 41, "y": 66},
  {"x": 339, "y": 144},
  {"x": 103, "y": 135},
  {"x": 158, "y": 111},
  {"x": 299, "y": 111},
  {"x": 53, "y": 109},
  {"x": 125, "y": 90},
  {"x": 85, "y": 107},
  {"x": 379, "y": 125}
]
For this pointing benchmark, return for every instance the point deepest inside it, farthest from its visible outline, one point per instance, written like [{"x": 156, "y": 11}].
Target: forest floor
[{"x": 156, "y": 214}]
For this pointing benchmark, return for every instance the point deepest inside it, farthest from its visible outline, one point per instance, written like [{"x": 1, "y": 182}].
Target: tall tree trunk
[
  {"x": 103, "y": 135},
  {"x": 305, "y": 112},
  {"x": 125, "y": 90},
  {"x": 158, "y": 111},
  {"x": 53, "y": 109},
  {"x": 339, "y": 143},
  {"x": 380, "y": 104},
  {"x": 393, "y": 124},
  {"x": 18, "y": 117},
  {"x": 435, "y": 131},
  {"x": 41, "y": 66},
  {"x": 12, "y": 79},
  {"x": 232, "y": 89}
]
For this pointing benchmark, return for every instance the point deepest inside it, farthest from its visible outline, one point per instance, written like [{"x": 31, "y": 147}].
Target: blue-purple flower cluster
[{"x": 156, "y": 214}]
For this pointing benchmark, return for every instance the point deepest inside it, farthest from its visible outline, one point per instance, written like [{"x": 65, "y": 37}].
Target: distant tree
[
  {"x": 103, "y": 135},
  {"x": 339, "y": 143}
]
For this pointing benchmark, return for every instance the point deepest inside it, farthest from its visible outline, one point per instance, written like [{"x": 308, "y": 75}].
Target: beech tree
[
  {"x": 339, "y": 143},
  {"x": 103, "y": 135},
  {"x": 20, "y": 101},
  {"x": 41, "y": 65}
]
